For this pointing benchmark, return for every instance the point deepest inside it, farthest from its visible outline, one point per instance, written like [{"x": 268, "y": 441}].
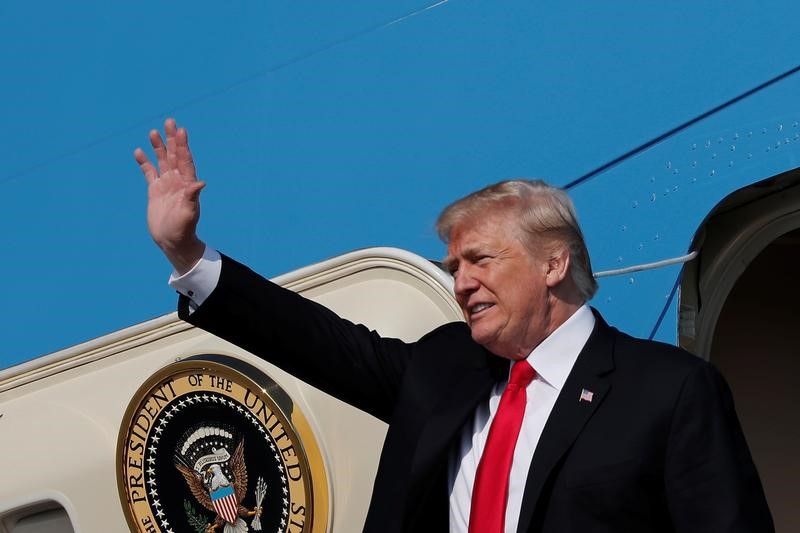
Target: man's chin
[{"x": 484, "y": 339}]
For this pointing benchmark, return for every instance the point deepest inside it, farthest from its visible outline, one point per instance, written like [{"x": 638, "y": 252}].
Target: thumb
[{"x": 194, "y": 190}]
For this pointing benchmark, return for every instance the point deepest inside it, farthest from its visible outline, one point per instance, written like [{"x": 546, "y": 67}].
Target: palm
[
  {"x": 173, "y": 207},
  {"x": 173, "y": 194}
]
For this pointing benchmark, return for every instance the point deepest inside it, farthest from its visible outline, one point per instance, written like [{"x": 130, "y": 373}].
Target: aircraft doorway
[{"x": 740, "y": 309}]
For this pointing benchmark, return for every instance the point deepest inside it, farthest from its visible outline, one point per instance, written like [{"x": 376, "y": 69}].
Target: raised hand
[{"x": 173, "y": 197}]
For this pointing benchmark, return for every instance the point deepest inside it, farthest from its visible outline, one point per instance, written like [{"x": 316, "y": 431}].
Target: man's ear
[{"x": 557, "y": 267}]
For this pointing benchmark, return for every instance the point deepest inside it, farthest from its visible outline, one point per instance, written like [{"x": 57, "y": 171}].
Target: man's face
[{"x": 501, "y": 288}]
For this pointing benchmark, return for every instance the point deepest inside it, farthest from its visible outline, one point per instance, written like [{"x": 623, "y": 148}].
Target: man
[{"x": 535, "y": 415}]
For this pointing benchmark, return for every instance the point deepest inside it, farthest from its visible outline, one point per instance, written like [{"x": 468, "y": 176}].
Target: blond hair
[{"x": 545, "y": 217}]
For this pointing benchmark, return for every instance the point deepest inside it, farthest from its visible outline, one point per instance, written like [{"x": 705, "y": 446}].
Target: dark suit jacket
[{"x": 659, "y": 447}]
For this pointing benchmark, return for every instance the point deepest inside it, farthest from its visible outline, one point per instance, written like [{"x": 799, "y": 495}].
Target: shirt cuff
[{"x": 198, "y": 283}]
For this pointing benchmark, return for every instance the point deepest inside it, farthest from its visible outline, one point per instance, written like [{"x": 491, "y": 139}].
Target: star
[
  {"x": 285, "y": 490},
  {"x": 239, "y": 408},
  {"x": 156, "y": 438},
  {"x": 164, "y": 523},
  {"x": 153, "y": 492},
  {"x": 285, "y": 501},
  {"x": 214, "y": 399},
  {"x": 272, "y": 447},
  {"x": 161, "y": 513},
  {"x": 277, "y": 457},
  {"x": 151, "y": 471},
  {"x": 284, "y": 512},
  {"x": 205, "y": 397},
  {"x": 189, "y": 400},
  {"x": 151, "y": 482},
  {"x": 159, "y": 429},
  {"x": 283, "y": 480},
  {"x": 152, "y": 449},
  {"x": 181, "y": 403}
]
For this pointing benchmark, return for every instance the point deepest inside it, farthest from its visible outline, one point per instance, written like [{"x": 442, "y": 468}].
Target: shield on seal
[{"x": 224, "y": 501}]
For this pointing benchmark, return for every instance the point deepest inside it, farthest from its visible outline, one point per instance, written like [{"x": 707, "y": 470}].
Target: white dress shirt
[{"x": 552, "y": 359}]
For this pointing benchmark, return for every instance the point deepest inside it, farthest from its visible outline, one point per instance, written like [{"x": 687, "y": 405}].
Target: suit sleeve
[
  {"x": 304, "y": 338},
  {"x": 711, "y": 481}
]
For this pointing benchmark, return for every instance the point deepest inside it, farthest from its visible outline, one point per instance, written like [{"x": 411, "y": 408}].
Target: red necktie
[{"x": 490, "y": 492}]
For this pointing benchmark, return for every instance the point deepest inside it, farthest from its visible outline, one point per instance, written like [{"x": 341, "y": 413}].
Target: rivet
[{"x": 653, "y": 197}]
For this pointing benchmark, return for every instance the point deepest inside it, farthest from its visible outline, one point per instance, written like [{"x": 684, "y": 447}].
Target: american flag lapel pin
[{"x": 586, "y": 396}]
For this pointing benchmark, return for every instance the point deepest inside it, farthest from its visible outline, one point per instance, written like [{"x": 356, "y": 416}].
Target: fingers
[
  {"x": 184, "y": 155},
  {"x": 147, "y": 167},
  {"x": 175, "y": 155},
  {"x": 172, "y": 155},
  {"x": 160, "y": 150}
]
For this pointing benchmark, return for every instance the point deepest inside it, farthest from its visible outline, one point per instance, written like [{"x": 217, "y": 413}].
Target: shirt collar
[{"x": 554, "y": 357}]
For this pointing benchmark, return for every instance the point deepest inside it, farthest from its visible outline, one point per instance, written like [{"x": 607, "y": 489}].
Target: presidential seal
[{"x": 211, "y": 444}]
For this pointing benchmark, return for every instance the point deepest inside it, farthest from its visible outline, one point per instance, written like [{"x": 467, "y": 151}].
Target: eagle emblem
[{"x": 218, "y": 480}]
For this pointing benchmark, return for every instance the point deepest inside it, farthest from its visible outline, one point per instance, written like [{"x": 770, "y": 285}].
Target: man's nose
[{"x": 464, "y": 282}]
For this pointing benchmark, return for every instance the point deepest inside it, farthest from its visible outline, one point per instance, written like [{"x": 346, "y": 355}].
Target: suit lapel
[
  {"x": 570, "y": 413},
  {"x": 448, "y": 416}
]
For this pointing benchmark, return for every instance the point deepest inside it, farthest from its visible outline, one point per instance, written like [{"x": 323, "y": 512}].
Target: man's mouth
[{"x": 479, "y": 308}]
